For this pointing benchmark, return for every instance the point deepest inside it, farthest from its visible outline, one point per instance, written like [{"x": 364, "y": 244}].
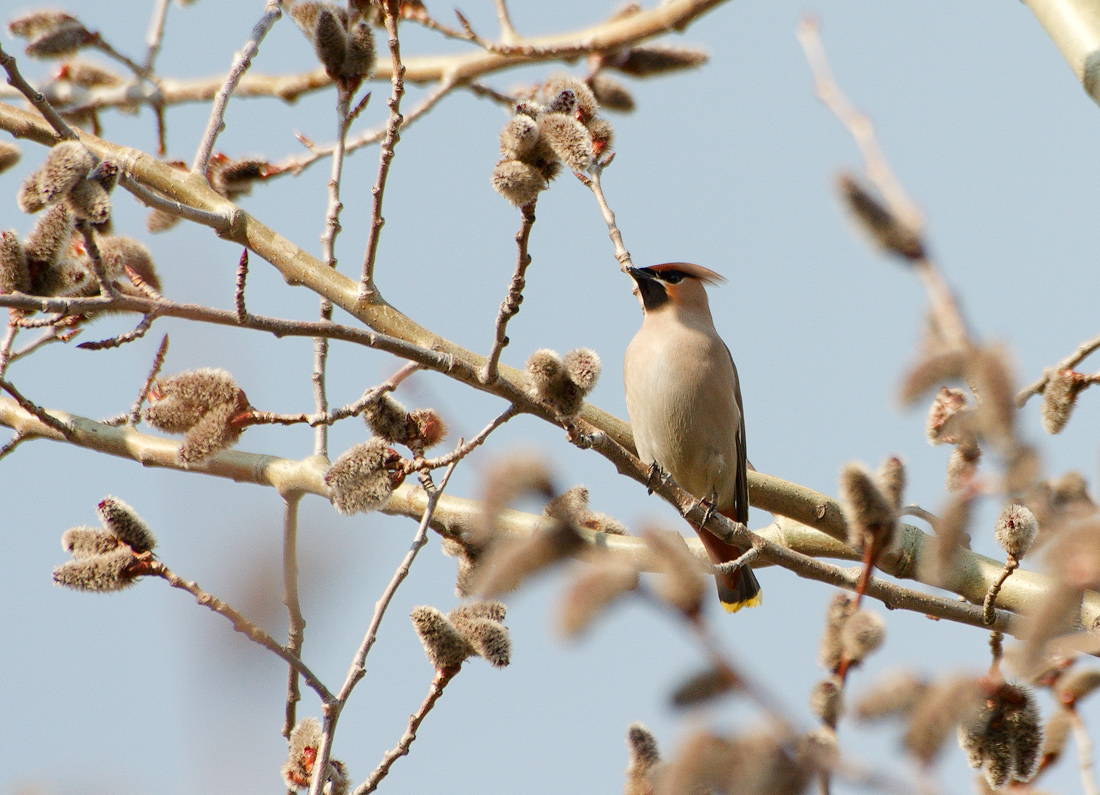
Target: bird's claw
[
  {"x": 654, "y": 471},
  {"x": 707, "y": 504}
]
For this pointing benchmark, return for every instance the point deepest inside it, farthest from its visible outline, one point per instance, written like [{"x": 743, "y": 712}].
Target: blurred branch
[
  {"x": 1070, "y": 362},
  {"x": 1074, "y": 27},
  {"x": 297, "y": 623},
  {"x": 782, "y": 539}
]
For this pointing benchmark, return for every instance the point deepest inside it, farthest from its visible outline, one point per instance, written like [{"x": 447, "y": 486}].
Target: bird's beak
[{"x": 639, "y": 275}]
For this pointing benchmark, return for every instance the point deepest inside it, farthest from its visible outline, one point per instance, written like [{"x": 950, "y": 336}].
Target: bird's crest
[{"x": 705, "y": 275}]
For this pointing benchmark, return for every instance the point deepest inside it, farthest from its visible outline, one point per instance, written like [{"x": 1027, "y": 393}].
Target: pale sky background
[{"x": 730, "y": 166}]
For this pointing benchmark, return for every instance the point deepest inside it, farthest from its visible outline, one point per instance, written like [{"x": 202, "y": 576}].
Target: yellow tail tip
[{"x": 753, "y": 601}]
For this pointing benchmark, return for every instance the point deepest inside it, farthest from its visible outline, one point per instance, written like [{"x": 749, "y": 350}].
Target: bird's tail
[{"x": 736, "y": 590}]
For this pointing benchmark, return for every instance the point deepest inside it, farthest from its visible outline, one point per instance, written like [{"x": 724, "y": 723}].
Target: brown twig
[
  {"x": 297, "y": 164},
  {"x": 6, "y": 345},
  {"x": 238, "y": 290},
  {"x": 385, "y": 157},
  {"x": 155, "y": 568},
  {"x": 35, "y": 97},
  {"x": 147, "y": 387},
  {"x": 297, "y": 628},
  {"x": 47, "y": 419},
  {"x": 241, "y": 61},
  {"x": 155, "y": 37},
  {"x": 463, "y": 449},
  {"x": 328, "y": 256},
  {"x": 216, "y": 221},
  {"x": 510, "y": 306},
  {"x": 439, "y": 682},
  {"x": 592, "y": 182},
  {"x": 990, "y": 602},
  {"x": 12, "y": 443},
  {"x": 137, "y": 333},
  {"x": 358, "y": 666}
]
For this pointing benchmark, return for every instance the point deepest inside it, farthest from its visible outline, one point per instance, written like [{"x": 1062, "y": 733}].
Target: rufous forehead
[{"x": 705, "y": 275}]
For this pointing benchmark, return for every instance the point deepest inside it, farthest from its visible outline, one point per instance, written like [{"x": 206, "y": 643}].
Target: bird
[{"x": 684, "y": 402}]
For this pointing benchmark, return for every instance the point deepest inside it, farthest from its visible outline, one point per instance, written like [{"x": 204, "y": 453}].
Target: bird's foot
[
  {"x": 707, "y": 504},
  {"x": 655, "y": 471}
]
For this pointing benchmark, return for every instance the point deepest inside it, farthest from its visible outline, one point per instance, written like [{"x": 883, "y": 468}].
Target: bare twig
[
  {"x": 1084, "y": 754},
  {"x": 439, "y": 682},
  {"x": 297, "y": 628},
  {"x": 47, "y": 419},
  {"x": 238, "y": 291},
  {"x": 6, "y": 345},
  {"x": 121, "y": 339},
  {"x": 592, "y": 182},
  {"x": 155, "y": 37},
  {"x": 510, "y": 305},
  {"x": 1069, "y": 363},
  {"x": 11, "y": 444},
  {"x": 463, "y": 450},
  {"x": 35, "y": 97},
  {"x": 297, "y": 164},
  {"x": 385, "y": 157},
  {"x": 143, "y": 393},
  {"x": 507, "y": 32},
  {"x": 995, "y": 588},
  {"x": 216, "y": 221},
  {"x": 155, "y": 568},
  {"x": 241, "y": 61},
  {"x": 328, "y": 254},
  {"x": 944, "y": 307},
  {"x": 358, "y": 669}
]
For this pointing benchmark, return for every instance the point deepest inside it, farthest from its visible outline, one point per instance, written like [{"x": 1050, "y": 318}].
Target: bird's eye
[{"x": 672, "y": 277}]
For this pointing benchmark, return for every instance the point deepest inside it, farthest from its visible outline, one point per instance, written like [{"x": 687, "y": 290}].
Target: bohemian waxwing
[{"x": 685, "y": 408}]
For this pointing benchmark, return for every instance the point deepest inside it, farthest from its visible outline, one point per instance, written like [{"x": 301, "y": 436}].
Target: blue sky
[{"x": 730, "y": 166}]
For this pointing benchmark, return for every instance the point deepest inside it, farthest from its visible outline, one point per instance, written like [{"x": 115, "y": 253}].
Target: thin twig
[
  {"x": 12, "y": 443},
  {"x": 463, "y": 450},
  {"x": 945, "y": 309},
  {"x": 121, "y": 339},
  {"x": 991, "y": 595},
  {"x": 920, "y": 513},
  {"x": 54, "y": 334},
  {"x": 6, "y": 345},
  {"x": 241, "y": 624},
  {"x": 155, "y": 37},
  {"x": 385, "y": 157},
  {"x": 510, "y": 305},
  {"x": 592, "y": 182},
  {"x": 358, "y": 666},
  {"x": 1084, "y": 754},
  {"x": 147, "y": 387},
  {"x": 1069, "y": 363},
  {"x": 297, "y": 628},
  {"x": 744, "y": 559},
  {"x": 61, "y": 427},
  {"x": 241, "y": 61},
  {"x": 35, "y": 97},
  {"x": 439, "y": 682},
  {"x": 297, "y": 164},
  {"x": 238, "y": 291},
  {"x": 328, "y": 256},
  {"x": 507, "y": 32},
  {"x": 334, "y": 416}
]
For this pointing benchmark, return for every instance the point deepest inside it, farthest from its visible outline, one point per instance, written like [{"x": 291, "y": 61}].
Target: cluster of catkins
[
  {"x": 344, "y": 44},
  {"x": 562, "y": 382},
  {"x": 364, "y": 477},
  {"x": 302, "y": 745},
  {"x": 104, "y": 557},
  {"x": 52, "y": 260},
  {"x": 205, "y": 405},
  {"x": 564, "y": 128},
  {"x": 475, "y": 629}
]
